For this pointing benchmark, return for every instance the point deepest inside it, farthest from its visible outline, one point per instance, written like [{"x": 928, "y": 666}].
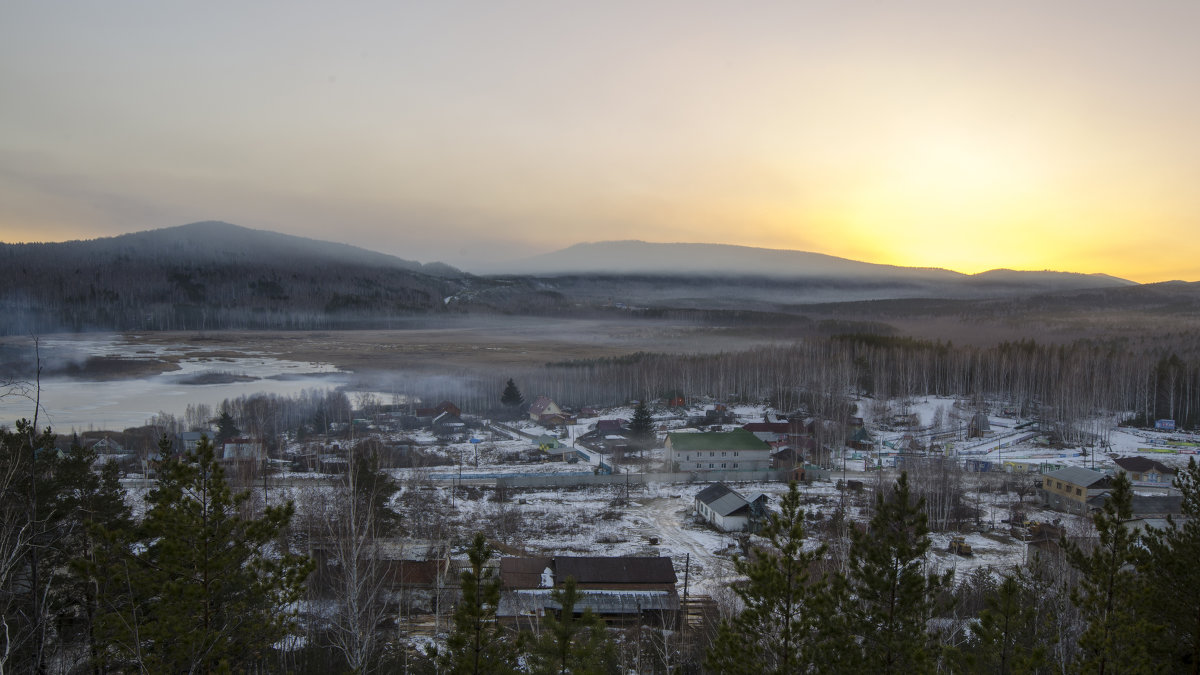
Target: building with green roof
[{"x": 737, "y": 450}]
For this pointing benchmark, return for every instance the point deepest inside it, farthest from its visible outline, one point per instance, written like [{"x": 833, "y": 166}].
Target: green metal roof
[{"x": 738, "y": 439}]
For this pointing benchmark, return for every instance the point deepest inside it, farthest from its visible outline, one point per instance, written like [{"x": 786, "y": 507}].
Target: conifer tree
[
  {"x": 1110, "y": 593},
  {"x": 227, "y": 429},
  {"x": 1170, "y": 563},
  {"x": 202, "y": 588},
  {"x": 783, "y": 626},
  {"x": 641, "y": 427},
  {"x": 478, "y": 644},
  {"x": 511, "y": 398},
  {"x": 570, "y": 644},
  {"x": 1007, "y": 636},
  {"x": 890, "y": 598}
]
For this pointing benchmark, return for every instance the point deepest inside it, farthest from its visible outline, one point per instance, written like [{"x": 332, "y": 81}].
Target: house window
[
  {"x": 735, "y": 453},
  {"x": 722, "y": 465},
  {"x": 1078, "y": 491},
  {"x": 1058, "y": 485},
  {"x": 711, "y": 453},
  {"x": 722, "y": 453},
  {"x": 735, "y": 465},
  {"x": 710, "y": 466},
  {"x": 698, "y": 465}
]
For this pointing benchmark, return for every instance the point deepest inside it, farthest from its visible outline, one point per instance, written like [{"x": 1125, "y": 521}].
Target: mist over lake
[{"x": 187, "y": 375}]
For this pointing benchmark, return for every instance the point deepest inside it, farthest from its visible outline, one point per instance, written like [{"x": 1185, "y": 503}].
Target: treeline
[{"x": 1068, "y": 387}]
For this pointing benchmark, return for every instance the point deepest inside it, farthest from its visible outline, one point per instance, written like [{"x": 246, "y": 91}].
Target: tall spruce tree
[
  {"x": 479, "y": 644},
  {"x": 891, "y": 599},
  {"x": 1008, "y": 636},
  {"x": 1110, "y": 594},
  {"x": 641, "y": 427},
  {"x": 203, "y": 588},
  {"x": 1169, "y": 563},
  {"x": 569, "y": 643},
  {"x": 511, "y": 398},
  {"x": 783, "y": 628}
]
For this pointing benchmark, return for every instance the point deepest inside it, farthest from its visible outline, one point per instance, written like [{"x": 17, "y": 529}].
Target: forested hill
[
  {"x": 211, "y": 275},
  {"x": 214, "y": 276}
]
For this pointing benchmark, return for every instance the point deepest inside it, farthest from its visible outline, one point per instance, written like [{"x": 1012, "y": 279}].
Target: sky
[{"x": 964, "y": 135}]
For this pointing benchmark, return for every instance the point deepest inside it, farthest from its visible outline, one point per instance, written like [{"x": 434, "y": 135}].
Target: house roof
[
  {"x": 767, "y": 427},
  {"x": 738, "y": 439},
  {"x": 1142, "y": 465},
  {"x": 522, "y": 572},
  {"x": 527, "y": 572},
  {"x": 1076, "y": 475},
  {"x": 722, "y": 499},
  {"x": 540, "y": 405},
  {"x": 641, "y": 570}
]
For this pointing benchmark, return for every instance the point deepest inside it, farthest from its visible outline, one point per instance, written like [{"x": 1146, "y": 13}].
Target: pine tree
[
  {"x": 1170, "y": 563},
  {"x": 1007, "y": 636},
  {"x": 227, "y": 429},
  {"x": 202, "y": 588},
  {"x": 641, "y": 427},
  {"x": 782, "y": 628},
  {"x": 891, "y": 600},
  {"x": 570, "y": 644},
  {"x": 478, "y": 644},
  {"x": 1110, "y": 593},
  {"x": 511, "y": 398},
  {"x": 91, "y": 511}
]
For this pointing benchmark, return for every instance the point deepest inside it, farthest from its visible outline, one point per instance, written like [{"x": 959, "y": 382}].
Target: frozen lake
[{"x": 69, "y": 403}]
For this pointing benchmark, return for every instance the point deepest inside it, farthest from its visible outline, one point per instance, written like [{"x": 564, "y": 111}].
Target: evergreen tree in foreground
[
  {"x": 890, "y": 598},
  {"x": 478, "y": 644},
  {"x": 781, "y": 628},
  {"x": 1170, "y": 565},
  {"x": 202, "y": 587},
  {"x": 1110, "y": 595},
  {"x": 1007, "y": 637},
  {"x": 571, "y": 644}
]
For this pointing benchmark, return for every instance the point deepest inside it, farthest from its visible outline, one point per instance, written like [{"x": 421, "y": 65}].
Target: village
[{"x": 648, "y": 523}]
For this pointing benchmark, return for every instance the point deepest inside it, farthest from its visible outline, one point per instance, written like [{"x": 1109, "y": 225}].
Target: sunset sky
[{"x": 967, "y": 135}]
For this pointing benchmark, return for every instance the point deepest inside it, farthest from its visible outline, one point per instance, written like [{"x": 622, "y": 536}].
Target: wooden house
[
  {"x": 1145, "y": 471},
  {"x": 622, "y": 591}
]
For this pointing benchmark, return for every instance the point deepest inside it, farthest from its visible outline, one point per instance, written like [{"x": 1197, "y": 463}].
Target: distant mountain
[
  {"x": 647, "y": 258},
  {"x": 215, "y": 275},
  {"x": 718, "y": 275},
  {"x": 223, "y": 243},
  {"x": 211, "y": 275},
  {"x": 688, "y": 259}
]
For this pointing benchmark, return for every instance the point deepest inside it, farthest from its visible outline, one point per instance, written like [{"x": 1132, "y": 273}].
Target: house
[
  {"x": 728, "y": 510},
  {"x": 622, "y": 591},
  {"x": 547, "y": 442},
  {"x": 443, "y": 407},
  {"x": 1143, "y": 470},
  {"x": 769, "y": 432},
  {"x": 242, "y": 448},
  {"x": 1070, "y": 489},
  {"x": 448, "y": 423},
  {"x": 188, "y": 440},
  {"x": 547, "y": 413},
  {"x": 737, "y": 450}
]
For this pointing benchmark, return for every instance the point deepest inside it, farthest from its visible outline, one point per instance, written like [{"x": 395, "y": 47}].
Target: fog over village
[{"x": 625, "y": 338}]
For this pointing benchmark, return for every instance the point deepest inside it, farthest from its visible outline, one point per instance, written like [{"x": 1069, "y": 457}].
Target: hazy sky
[{"x": 1048, "y": 134}]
